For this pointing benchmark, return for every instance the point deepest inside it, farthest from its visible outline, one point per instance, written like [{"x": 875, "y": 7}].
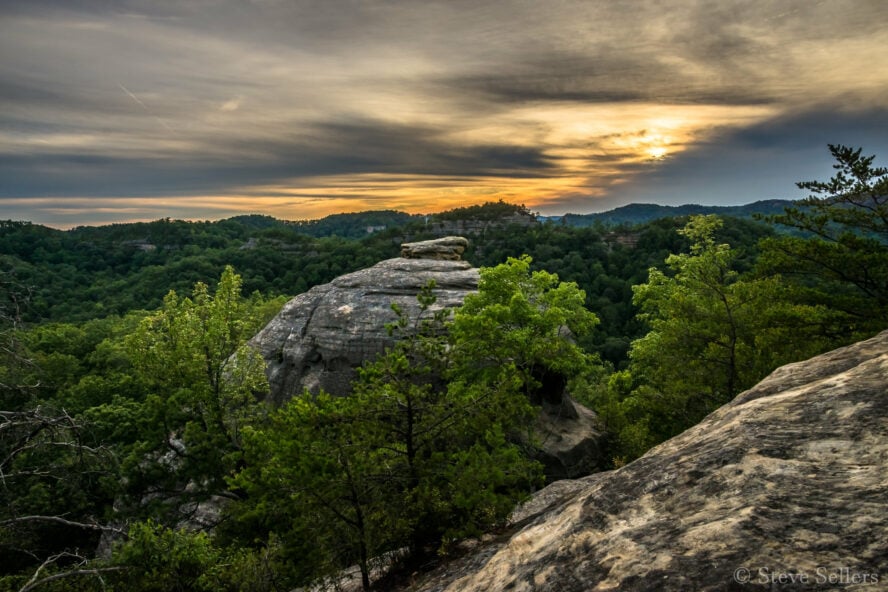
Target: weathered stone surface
[
  {"x": 788, "y": 481},
  {"x": 448, "y": 248},
  {"x": 321, "y": 336},
  {"x": 570, "y": 437}
]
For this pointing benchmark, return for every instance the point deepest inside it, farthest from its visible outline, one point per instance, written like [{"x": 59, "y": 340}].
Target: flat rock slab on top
[{"x": 448, "y": 248}]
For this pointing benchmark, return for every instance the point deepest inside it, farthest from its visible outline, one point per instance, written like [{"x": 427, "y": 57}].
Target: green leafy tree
[
  {"x": 523, "y": 322},
  {"x": 57, "y": 492},
  {"x": 155, "y": 558},
  {"x": 17, "y": 384},
  {"x": 57, "y": 483},
  {"x": 314, "y": 479},
  {"x": 204, "y": 382},
  {"x": 841, "y": 257},
  {"x": 428, "y": 415},
  {"x": 712, "y": 334}
]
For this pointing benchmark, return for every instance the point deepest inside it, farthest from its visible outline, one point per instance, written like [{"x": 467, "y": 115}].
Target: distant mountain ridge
[{"x": 640, "y": 213}]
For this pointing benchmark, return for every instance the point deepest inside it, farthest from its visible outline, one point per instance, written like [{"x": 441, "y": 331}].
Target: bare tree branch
[
  {"x": 34, "y": 582},
  {"x": 64, "y": 522}
]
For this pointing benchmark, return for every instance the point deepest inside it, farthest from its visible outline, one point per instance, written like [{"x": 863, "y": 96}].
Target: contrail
[
  {"x": 132, "y": 96},
  {"x": 145, "y": 107}
]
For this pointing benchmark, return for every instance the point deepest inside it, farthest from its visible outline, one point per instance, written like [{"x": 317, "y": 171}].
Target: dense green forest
[
  {"x": 132, "y": 416},
  {"x": 642, "y": 213},
  {"x": 90, "y": 273}
]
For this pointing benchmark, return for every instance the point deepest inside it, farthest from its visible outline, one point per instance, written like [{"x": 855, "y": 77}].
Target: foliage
[
  {"x": 204, "y": 384},
  {"x": 521, "y": 321},
  {"x": 713, "y": 333},
  {"x": 428, "y": 448},
  {"x": 153, "y": 402},
  {"x": 842, "y": 258},
  {"x": 353, "y": 225},
  {"x": 88, "y": 273},
  {"x": 109, "y": 271},
  {"x": 429, "y": 414},
  {"x": 160, "y": 559},
  {"x": 56, "y": 483},
  {"x": 486, "y": 211},
  {"x": 16, "y": 384},
  {"x": 57, "y": 488},
  {"x": 312, "y": 479}
]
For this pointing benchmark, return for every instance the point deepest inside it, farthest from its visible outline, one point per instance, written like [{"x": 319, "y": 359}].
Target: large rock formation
[
  {"x": 785, "y": 488},
  {"x": 322, "y": 336}
]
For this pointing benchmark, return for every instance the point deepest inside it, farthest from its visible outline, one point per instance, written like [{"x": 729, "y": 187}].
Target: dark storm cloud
[
  {"x": 330, "y": 148},
  {"x": 584, "y": 80},
  {"x": 817, "y": 128}
]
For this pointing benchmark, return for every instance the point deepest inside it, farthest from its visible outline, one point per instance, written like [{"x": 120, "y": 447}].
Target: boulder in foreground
[{"x": 785, "y": 488}]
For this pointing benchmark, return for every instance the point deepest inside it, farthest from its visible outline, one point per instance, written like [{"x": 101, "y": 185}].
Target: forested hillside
[
  {"x": 137, "y": 452},
  {"x": 95, "y": 272},
  {"x": 642, "y": 213}
]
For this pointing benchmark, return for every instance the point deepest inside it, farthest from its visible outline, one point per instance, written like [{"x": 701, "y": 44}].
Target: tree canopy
[
  {"x": 840, "y": 257},
  {"x": 713, "y": 332}
]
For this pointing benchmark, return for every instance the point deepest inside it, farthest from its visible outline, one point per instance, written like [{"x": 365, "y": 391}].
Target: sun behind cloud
[{"x": 658, "y": 152}]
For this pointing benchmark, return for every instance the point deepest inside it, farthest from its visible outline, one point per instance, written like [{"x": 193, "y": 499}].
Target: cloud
[
  {"x": 764, "y": 160},
  {"x": 568, "y": 104},
  {"x": 231, "y": 105}
]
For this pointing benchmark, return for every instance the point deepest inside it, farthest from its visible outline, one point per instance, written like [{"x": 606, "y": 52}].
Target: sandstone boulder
[
  {"x": 785, "y": 488},
  {"x": 322, "y": 336},
  {"x": 570, "y": 438}
]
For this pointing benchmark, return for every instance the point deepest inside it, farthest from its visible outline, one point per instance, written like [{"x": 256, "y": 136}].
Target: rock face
[
  {"x": 472, "y": 227},
  {"x": 321, "y": 336},
  {"x": 784, "y": 488},
  {"x": 570, "y": 437}
]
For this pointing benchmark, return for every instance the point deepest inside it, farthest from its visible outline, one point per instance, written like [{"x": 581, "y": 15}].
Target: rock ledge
[{"x": 789, "y": 478}]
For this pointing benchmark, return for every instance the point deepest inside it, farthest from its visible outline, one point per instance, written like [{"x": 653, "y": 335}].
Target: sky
[{"x": 116, "y": 111}]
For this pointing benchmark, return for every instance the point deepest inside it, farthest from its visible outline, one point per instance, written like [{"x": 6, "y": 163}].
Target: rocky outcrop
[
  {"x": 570, "y": 438},
  {"x": 478, "y": 226},
  {"x": 322, "y": 336},
  {"x": 785, "y": 488},
  {"x": 448, "y": 248},
  {"x": 320, "y": 339}
]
